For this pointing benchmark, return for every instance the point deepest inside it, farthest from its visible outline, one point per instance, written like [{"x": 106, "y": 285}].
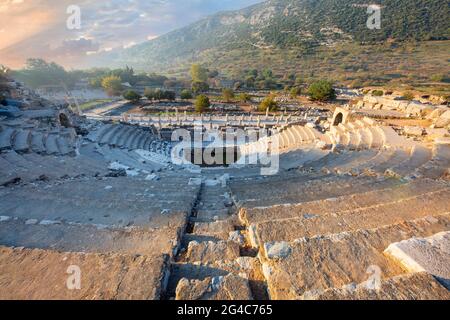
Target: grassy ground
[
  {"x": 93, "y": 104},
  {"x": 393, "y": 65}
]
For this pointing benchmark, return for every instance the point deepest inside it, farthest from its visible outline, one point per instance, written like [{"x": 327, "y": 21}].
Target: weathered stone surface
[
  {"x": 414, "y": 131},
  {"x": 333, "y": 261},
  {"x": 443, "y": 121},
  {"x": 414, "y": 286},
  {"x": 212, "y": 251},
  {"x": 43, "y": 274},
  {"x": 430, "y": 255},
  {"x": 230, "y": 287},
  {"x": 277, "y": 250}
]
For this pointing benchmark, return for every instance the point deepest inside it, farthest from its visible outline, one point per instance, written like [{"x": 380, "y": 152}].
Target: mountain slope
[{"x": 301, "y": 24}]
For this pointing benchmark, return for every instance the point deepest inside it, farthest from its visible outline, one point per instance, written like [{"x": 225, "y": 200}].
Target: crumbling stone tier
[{"x": 91, "y": 209}]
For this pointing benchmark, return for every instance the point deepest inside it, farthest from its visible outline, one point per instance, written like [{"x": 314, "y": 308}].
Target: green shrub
[
  {"x": 437, "y": 78},
  {"x": 377, "y": 93},
  {"x": 132, "y": 96},
  {"x": 295, "y": 92},
  {"x": 202, "y": 103},
  {"x": 321, "y": 90},
  {"x": 244, "y": 97},
  {"x": 408, "y": 96},
  {"x": 112, "y": 85},
  {"x": 186, "y": 94},
  {"x": 199, "y": 87},
  {"x": 228, "y": 95},
  {"x": 268, "y": 103}
]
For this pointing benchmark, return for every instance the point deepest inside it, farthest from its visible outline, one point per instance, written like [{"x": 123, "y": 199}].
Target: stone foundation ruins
[{"x": 89, "y": 209}]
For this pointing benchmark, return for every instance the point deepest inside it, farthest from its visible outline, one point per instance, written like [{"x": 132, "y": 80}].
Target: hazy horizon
[{"x": 37, "y": 28}]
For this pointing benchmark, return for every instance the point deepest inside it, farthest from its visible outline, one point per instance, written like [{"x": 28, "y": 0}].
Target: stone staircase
[
  {"x": 120, "y": 238},
  {"x": 214, "y": 263},
  {"x": 129, "y": 137}
]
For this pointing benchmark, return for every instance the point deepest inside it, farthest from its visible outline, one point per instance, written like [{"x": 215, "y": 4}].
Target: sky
[{"x": 38, "y": 28}]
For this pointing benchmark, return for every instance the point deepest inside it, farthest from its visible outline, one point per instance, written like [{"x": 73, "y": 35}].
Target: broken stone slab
[
  {"x": 414, "y": 286},
  {"x": 277, "y": 250},
  {"x": 35, "y": 274},
  {"x": 413, "y": 131},
  {"x": 209, "y": 252},
  {"x": 430, "y": 255},
  {"x": 230, "y": 287}
]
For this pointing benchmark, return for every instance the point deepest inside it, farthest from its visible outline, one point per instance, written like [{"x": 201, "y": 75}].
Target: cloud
[{"x": 37, "y": 28}]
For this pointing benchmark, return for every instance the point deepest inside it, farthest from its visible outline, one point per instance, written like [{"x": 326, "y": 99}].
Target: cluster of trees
[
  {"x": 200, "y": 76},
  {"x": 265, "y": 79},
  {"x": 132, "y": 96},
  {"x": 321, "y": 90},
  {"x": 38, "y": 72},
  {"x": 268, "y": 103},
  {"x": 202, "y": 103},
  {"x": 158, "y": 94}
]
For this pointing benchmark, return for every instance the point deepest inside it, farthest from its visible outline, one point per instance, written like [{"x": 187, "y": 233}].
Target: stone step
[
  {"x": 51, "y": 146},
  {"x": 63, "y": 146},
  {"x": 134, "y": 134},
  {"x": 310, "y": 193},
  {"x": 110, "y": 134},
  {"x": 382, "y": 157},
  {"x": 298, "y": 158},
  {"x": 325, "y": 262},
  {"x": 359, "y": 158},
  {"x": 399, "y": 156},
  {"x": 96, "y": 135},
  {"x": 123, "y": 137},
  {"x": 438, "y": 166},
  {"x": 37, "y": 142},
  {"x": 377, "y": 138},
  {"x": 413, "y": 286},
  {"x": 49, "y": 166},
  {"x": 21, "y": 141},
  {"x": 64, "y": 237},
  {"x": 211, "y": 252},
  {"x": 437, "y": 202},
  {"x": 6, "y": 135},
  {"x": 366, "y": 138},
  {"x": 104, "y": 276},
  {"x": 337, "y": 204},
  {"x": 117, "y": 136},
  {"x": 431, "y": 255},
  {"x": 7, "y": 172},
  {"x": 194, "y": 282},
  {"x": 419, "y": 156},
  {"x": 219, "y": 229}
]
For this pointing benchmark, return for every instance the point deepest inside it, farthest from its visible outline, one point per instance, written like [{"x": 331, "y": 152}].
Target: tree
[
  {"x": 38, "y": 72},
  {"x": 149, "y": 94},
  {"x": 250, "y": 82},
  {"x": 268, "y": 103},
  {"x": 202, "y": 103},
  {"x": 186, "y": 94},
  {"x": 227, "y": 94},
  {"x": 199, "y": 87},
  {"x": 437, "y": 78},
  {"x": 112, "y": 85},
  {"x": 377, "y": 93},
  {"x": 244, "y": 97},
  {"x": 321, "y": 90},
  {"x": 295, "y": 92},
  {"x": 132, "y": 96},
  {"x": 169, "y": 95},
  {"x": 96, "y": 83},
  {"x": 408, "y": 96},
  {"x": 198, "y": 73}
]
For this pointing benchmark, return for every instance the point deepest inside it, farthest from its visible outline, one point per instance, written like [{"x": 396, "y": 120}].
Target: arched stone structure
[
  {"x": 64, "y": 120},
  {"x": 341, "y": 115}
]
